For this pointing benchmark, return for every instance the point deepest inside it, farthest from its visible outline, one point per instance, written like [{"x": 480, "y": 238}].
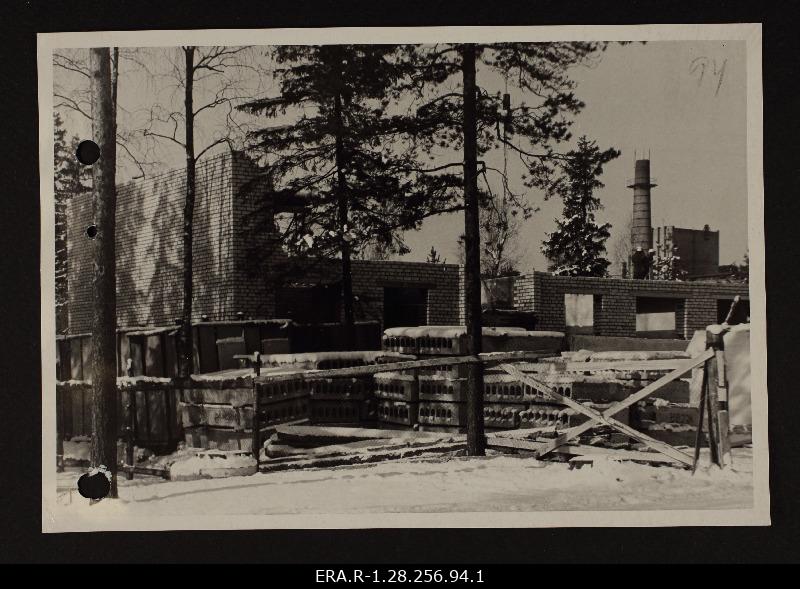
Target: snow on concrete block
[{"x": 213, "y": 464}]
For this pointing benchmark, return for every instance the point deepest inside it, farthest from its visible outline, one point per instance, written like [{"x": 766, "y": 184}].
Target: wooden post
[
  {"x": 476, "y": 440},
  {"x": 699, "y": 438},
  {"x": 256, "y": 412},
  {"x": 130, "y": 438},
  {"x": 717, "y": 406},
  {"x": 719, "y": 391},
  {"x": 59, "y": 431}
]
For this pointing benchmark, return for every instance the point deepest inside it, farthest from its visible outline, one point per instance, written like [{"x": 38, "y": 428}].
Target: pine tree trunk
[
  {"x": 341, "y": 187},
  {"x": 104, "y": 317},
  {"x": 185, "y": 330},
  {"x": 476, "y": 441}
]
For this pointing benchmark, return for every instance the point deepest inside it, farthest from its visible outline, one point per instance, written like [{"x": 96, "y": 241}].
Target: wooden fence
[{"x": 154, "y": 402}]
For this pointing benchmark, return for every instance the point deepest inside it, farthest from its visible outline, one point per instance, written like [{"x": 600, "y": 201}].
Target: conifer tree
[
  {"x": 335, "y": 138},
  {"x": 470, "y": 120},
  {"x": 577, "y": 246}
]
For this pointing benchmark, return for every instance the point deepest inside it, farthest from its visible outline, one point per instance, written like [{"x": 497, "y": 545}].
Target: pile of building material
[
  {"x": 435, "y": 397},
  {"x": 218, "y": 409},
  {"x": 599, "y": 379},
  {"x": 297, "y": 446}
]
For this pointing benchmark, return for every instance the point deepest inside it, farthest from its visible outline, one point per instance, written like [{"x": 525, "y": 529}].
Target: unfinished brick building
[
  {"x": 236, "y": 258},
  {"x": 241, "y": 281},
  {"x": 613, "y": 307},
  {"x": 244, "y": 299}
]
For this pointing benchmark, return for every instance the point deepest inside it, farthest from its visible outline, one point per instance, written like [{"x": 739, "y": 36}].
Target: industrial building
[{"x": 695, "y": 251}]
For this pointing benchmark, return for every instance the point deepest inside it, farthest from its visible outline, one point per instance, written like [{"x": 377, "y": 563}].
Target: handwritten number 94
[{"x": 699, "y": 66}]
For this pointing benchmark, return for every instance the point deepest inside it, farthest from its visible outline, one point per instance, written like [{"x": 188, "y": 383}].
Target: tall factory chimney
[{"x": 642, "y": 228}]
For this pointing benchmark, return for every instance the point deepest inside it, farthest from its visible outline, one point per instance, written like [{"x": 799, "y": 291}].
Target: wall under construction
[{"x": 621, "y": 307}]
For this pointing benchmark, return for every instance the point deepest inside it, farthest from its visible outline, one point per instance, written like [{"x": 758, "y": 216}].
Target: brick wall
[
  {"x": 149, "y": 246},
  {"x": 236, "y": 254},
  {"x": 443, "y": 281},
  {"x": 615, "y": 312},
  {"x": 257, "y": 250}
]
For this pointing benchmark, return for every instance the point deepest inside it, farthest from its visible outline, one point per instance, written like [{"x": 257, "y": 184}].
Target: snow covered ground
[{"x": 497, "y": 483}]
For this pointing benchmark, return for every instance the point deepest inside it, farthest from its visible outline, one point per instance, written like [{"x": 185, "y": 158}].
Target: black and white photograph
[{"x": 403, "y": 277}]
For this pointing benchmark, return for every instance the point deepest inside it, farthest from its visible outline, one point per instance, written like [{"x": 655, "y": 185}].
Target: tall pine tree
[
  {"x": 335, "y": 139},
  {"x": 470, "y": 120},
  {"x": 577, "y": 246}
]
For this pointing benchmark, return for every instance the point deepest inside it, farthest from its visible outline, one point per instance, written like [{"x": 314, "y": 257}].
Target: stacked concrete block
[
  {"x": 503, "y": 415},
  {"x": 342, "y": 400},
  {"x": 449, "y": 415},
  {"x": 671, "y": 422},
  {"x": 543, "y": 415},
  {"x": 397, "y": 412},
  {"x": 443, "y": 389},
  {"x": 397, "y": 386}
]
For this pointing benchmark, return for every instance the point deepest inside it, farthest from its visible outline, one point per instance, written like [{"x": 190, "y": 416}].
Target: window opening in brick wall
[
  {"x": 579, "y": 313},
  {"x": 740, "y": 315},
  {"x": 404, "y": 307},
  {"x": 659, "y": 317}
]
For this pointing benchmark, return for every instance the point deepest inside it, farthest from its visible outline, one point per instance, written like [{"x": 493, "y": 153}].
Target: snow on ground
[{"x": 456, "y": 484}]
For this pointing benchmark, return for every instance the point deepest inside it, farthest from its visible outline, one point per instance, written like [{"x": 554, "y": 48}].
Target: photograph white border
[{"x": 53, "y": 521}]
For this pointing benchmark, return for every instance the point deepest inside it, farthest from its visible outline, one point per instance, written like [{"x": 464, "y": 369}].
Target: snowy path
[{"x": 495, "y": 483}]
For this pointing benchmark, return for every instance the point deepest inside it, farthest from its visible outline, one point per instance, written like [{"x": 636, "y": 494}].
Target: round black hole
[
  {"x": 94, "y": 486},
  {"x": 88, "y": 152},
  {"x": 91, "y": 231}
]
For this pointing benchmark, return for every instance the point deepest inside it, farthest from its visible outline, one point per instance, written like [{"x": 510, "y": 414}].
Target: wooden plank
[
  {"x": 361, "y": 458},
  {"x": 654, "y": 386},
  {"x": 309, "y": 436},
  {"x": 713, "y": 408},
  {"x": 580, "y": 450},
  {"x": 662, "y": 447},
  {"x": 217, "y": 416},
  {"x": 394, "y": 366},
  {"x": 235, "y": 397},
  {"x": 629, "y": 365},
  {"x": 595, "y": 417},
  {"x": 605, "y": 418},
  {"x": 157, "y": 416}
]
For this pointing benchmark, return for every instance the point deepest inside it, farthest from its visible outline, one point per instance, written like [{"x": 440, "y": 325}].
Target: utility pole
[
  {"x": 104, "y": 317},
  {"x": 476, "y": 441}
]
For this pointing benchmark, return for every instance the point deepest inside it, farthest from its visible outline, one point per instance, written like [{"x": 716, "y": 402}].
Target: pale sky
[
  {"x": 684, "y": 102},
  {"x": 647, "y": 97}
]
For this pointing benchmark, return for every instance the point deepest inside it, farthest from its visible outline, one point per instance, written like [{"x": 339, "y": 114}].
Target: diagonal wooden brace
[{"x": 606, "y": 418}]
